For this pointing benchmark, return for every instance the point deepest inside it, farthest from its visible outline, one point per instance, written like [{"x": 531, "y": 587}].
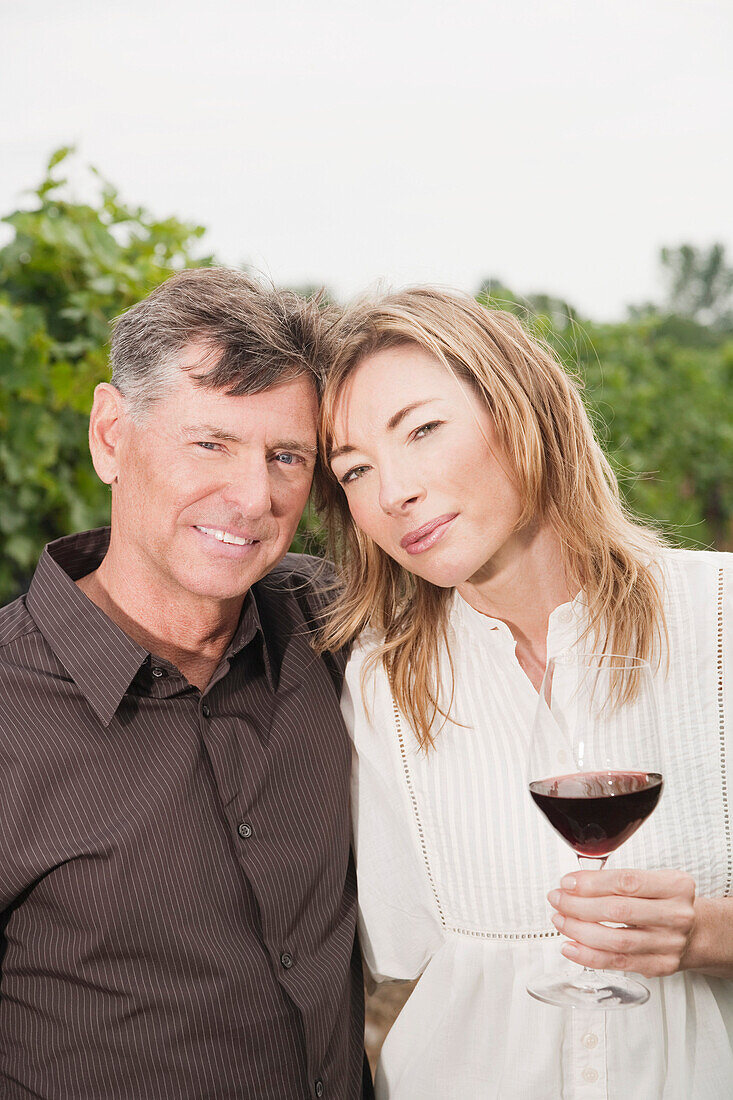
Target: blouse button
[
  {"x": 590, "y": 1075},
  {"x": 590, "y": 1040}
]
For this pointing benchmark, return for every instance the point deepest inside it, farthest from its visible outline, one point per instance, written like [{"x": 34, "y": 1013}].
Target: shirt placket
[{"x": 584, "y": 1056}]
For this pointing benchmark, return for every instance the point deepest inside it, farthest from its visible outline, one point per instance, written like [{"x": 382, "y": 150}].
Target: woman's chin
[{"x": 442, "y": 575}]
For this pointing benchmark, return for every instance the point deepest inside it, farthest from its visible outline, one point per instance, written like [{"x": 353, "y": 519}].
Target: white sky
[{"x": 554, "y": 143}]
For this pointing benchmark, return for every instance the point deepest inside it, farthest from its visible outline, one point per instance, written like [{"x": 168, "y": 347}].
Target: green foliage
[
  {"x": 659, "y": 386},
  {"x": 69, "y": 268},
  {"x": 700, "y": 285},
  {"x": 664, "y": 413},
  {"x": 659, "y": 389}
]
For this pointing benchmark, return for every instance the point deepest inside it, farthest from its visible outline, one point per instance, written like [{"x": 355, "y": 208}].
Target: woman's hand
[{"x": 657, "y": 909}]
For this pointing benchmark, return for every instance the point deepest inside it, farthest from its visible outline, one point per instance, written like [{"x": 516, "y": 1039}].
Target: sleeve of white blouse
[{"x": 399, "y": 925}]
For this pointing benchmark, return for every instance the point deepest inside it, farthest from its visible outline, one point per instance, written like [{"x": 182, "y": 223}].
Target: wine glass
[{"x": 594, "y": 773}]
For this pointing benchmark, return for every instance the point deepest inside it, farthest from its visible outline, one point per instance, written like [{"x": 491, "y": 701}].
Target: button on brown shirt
[{"x": 175, "y": 881}]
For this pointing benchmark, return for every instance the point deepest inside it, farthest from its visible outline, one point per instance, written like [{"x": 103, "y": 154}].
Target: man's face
[{"x": 210, "y": 487}]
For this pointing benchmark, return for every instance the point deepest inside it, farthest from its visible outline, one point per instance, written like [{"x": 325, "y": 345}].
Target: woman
[{"x": 479, "y": 531}]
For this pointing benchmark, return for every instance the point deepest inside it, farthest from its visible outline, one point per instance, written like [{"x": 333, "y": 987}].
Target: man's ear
[{"x": 105, "y": 425}]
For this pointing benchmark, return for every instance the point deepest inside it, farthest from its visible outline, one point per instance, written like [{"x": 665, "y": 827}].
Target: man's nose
[{"x": 248, "y": 489}]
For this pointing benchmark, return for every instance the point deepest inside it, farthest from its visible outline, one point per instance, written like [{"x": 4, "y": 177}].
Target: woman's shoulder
[
  {"x": 698, "y": 597},
  {"x": 702, "y": 570},
  {"x": 365, "y": 669}
]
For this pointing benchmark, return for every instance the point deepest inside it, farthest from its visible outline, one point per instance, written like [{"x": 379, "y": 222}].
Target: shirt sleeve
[{"x": 400, "y": 927}]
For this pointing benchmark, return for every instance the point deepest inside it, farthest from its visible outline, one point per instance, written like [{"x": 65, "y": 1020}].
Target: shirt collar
[
  {"x": 565, "y": 624},
  {"x": 101, "y": 659}
]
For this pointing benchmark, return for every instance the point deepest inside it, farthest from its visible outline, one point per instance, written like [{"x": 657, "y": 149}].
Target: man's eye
[
  {"x": 207, "y": 445},
  {"x": 285, "y": 458}
]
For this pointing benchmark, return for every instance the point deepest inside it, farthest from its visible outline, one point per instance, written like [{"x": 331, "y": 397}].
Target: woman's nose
[{"x": 398, "y": 495}]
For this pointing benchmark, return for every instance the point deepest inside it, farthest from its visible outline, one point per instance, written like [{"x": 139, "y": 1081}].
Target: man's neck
[{"x": 193, "y": 637}]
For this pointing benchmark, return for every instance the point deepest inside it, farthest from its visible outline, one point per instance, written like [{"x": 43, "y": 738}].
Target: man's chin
[{"x": 230, "y": 582}]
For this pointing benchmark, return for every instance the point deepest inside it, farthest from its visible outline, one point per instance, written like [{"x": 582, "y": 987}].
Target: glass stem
[{"x": 591, "y": 863}]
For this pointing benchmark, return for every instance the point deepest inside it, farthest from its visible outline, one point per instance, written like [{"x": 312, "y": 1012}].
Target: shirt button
[
  {"x": 158, "y": 673},
  {"x": 286, "y": 960},
  {"x": 245, "y": 830},
  {"x": 205, "y": 711},
  {"x": 590, "y": 1041},
  {"x": 319, "y": 1087},
  {"x": 590, "y": 1075}
]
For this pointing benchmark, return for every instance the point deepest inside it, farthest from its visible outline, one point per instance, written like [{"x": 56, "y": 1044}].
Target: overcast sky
[{"x": 557, "y": 144}]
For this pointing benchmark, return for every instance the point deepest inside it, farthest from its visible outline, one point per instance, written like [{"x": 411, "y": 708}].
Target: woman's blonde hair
[{"x": 562, "y": 475}]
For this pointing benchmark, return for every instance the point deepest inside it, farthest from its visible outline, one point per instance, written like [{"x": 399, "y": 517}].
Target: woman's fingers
[
  {"x": 621, "y": 941},
  {"x": 674, "y": 913},
  {"x": 649, "y": 966},
  {"x": 629, "y": 883},
  {"x": 656, "y": 911}
]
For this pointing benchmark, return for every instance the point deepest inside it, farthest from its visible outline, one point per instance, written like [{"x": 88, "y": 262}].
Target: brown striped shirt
[{"x": 175, "y": 880}]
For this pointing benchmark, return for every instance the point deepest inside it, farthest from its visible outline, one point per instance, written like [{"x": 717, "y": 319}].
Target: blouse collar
[{"x": 565, "y": 626}]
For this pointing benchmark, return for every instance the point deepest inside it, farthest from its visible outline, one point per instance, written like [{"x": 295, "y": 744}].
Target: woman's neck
[{"x": 522, "y": 585}]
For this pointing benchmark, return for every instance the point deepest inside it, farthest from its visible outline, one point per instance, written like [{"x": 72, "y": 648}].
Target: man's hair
[{"x": 252, "y": 337}]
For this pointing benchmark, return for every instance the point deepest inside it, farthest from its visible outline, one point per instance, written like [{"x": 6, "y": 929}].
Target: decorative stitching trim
[
  {"x": 550, "y": 935},
  {"x": 545, "y": 935},
  {"x": 721, "y": 730},
  {"x": 413, "y": 799}
]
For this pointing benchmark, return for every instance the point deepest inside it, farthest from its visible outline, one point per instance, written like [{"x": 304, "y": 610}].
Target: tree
[
  {"x": 69, "y": 268},
  {"x": 659, "y": 389},
  {"x": 699, "y": 285}
]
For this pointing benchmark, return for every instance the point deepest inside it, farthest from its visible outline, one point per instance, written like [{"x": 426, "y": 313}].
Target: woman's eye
[
  {"x": 353, "y": 474},
  {"x": 426, "y": 429}
]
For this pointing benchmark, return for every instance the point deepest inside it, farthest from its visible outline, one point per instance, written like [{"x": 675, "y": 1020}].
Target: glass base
[{"x": 592, "y": 990}]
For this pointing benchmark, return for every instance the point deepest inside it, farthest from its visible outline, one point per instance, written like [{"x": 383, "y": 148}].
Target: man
[{"x": 175, "y": 878}]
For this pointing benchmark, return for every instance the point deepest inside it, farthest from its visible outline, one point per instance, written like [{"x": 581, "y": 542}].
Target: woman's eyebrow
[
  {"x": 394, "y": 421},
  {"x": 398, "y": 417}
]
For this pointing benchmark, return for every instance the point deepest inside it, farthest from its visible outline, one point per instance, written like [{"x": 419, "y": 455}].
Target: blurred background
[{"x": 566, "y": 159}]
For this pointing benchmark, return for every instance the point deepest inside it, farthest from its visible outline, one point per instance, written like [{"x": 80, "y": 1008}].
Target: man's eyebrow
[
  {"x": 394, "y": 421},
  {"x": 208, "y": 431},
  {"x": 296, "y": 445}
]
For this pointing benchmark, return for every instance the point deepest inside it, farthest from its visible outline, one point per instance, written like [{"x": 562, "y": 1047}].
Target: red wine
[{"x": 595, "y": 812}]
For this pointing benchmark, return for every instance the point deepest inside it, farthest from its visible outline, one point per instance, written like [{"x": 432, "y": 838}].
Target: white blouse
[{"x": 454, "y": 863}]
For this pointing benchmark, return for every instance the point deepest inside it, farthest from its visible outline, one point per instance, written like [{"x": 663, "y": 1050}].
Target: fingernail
[
  {"x": 568, "y": 883},
  {"x": 554, "y": 897},
  {"x": 558, "y": 920},
  {"x": 570, "y": 951}
]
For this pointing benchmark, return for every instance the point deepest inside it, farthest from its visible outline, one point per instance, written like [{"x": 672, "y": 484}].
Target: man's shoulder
[
  {"x": 309, "y": 580},
  {"x": 295, "y": 596},
  {"x": 303, "y": 568}
]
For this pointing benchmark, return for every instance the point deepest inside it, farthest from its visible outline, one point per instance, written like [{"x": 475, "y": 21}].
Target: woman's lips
[{"x": 422, "y": 538}]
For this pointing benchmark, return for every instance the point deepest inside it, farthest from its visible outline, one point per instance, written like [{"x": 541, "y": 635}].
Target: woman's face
[{"x": 415, "y": 451}]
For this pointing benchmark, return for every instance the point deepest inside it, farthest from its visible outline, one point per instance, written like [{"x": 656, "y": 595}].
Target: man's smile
[{"x": 227, "y": 536}]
